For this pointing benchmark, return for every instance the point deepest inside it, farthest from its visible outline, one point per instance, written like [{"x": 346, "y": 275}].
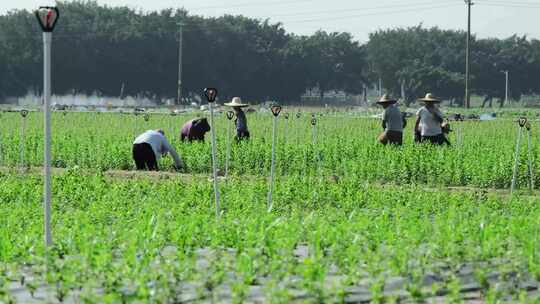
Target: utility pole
[
  {"x": 506, "y": 87},
  {"x": 468, "y": 55},
  {"x": 180, "y": 38}
]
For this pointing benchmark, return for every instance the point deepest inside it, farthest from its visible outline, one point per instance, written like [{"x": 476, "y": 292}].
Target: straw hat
[
  {"x": 386, "y": 99},
  {"x": 236, "y": 102},
  {"x": 430, "y": 98}
]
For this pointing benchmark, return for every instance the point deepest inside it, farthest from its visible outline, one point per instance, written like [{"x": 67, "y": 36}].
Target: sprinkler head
[
  {"x": 211, "y": 94},
  {"x": 276, "y": 110},
  {"x": 146, "y": 117},
  {"x": 24, "y": 113},
  {"x": 230, "y": 115},
  {"x": 522, "y": 121},
  {"x": 313, "y": 121}
]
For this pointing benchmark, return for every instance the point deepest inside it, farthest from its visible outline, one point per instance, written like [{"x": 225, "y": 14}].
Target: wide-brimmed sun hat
[
  {"x": 430, "y": 98},
  {"x": 236, "y": 102},
  {"x": 385, "y": 99}
]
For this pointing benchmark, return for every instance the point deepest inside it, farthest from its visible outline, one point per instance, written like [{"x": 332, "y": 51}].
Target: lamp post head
[{"x": 47, "y": 17}]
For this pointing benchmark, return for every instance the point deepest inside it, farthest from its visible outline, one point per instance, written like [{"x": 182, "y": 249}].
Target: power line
[
  {"x": 419, "y": 4},
  {"x": 189, "y": 25},
  {"x": 509, "y": 4},
  {"x": 374, "y": 14},
  {"x": 248, "y": 4}
]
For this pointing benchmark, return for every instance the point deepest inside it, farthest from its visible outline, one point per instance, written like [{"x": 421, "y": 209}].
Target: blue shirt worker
[
  {"x": 393, "y": 122},
  {"x": 242, "y": 131}
]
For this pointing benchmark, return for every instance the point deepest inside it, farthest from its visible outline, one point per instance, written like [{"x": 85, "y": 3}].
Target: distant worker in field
[
  {"x": 195, "y": 129},
  {"x": 149, "y": 147},
  {"x": 429, "y": 121},
  {"x": 242, "y": 131},
  {"x": 393, "y": 122}
]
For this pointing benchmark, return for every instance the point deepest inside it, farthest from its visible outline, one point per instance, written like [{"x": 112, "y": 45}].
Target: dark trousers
[
  {"x": 391, "y": 137},
  {"x": 145, "y": 158},
  {"x": 242, "y": 135},
  {"x": 436, "y": 140}
]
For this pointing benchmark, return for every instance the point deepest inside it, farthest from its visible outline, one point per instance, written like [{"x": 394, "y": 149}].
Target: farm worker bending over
[
  {"x": 195, "y": 129},
  {"x": 428, "y": 122},
  {"x": 393, "y": 122},
  {"x": 148, "y": 149},
  {"x": 242, "y": 131}
]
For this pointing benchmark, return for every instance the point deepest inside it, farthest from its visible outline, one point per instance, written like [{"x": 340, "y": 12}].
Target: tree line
[{"x": 109, "y": 50}]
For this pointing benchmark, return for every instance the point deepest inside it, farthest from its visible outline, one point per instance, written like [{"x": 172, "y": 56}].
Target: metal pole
[
  {"x": 275, "y": 111},
  {"x": 2, "y": 157},
  {"x": 273, "y": 167},
  {"x": 180, "y": 47},
  {"x": 458, "y": 135},
  {"x": 47, "y": 41},
  {"x": 516, "y": 161},
  {"x": 314, "y": 142},
  {"x": 531, "y": 174},
  {"x": 467, "y": 56},
  {"x": 122, "y": 91},
  {"x": 286, "y": 129},
  {"x": 230, "y": 116},
  {"x": 22, "y": 140},
  {"x": 211, "y": 95}
]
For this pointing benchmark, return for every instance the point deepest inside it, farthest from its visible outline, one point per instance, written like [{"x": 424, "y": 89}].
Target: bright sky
[{"x": 490, "y": 18}]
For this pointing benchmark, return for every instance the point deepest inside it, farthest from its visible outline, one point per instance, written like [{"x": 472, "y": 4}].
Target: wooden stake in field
[
  {"x": 275, "y": 111},
  {"x": 521, "y": 122},
  {"x": 24, "y": 114},
  {"x": 230, "y": 116},
  {"x": 211, "y": 95}
]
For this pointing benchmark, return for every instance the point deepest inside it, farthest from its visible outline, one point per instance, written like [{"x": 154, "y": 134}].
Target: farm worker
[
  {"x": 428, "y": 122},
  {"x": 148, "y": 149},
  {"x": 195, "y": 129},
  {"x": 393, "y": 122},
  {"x": 242, "y": 131}
]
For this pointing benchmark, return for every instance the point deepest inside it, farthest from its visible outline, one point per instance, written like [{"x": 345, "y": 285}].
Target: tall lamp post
[
  {"x": 506, "y": 86},
  {"x": 467, "y": 56},
  {"x": 47, "y": 17}
]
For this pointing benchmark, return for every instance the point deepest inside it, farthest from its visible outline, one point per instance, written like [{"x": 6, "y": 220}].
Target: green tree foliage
[
  {"x": 434, "y": 60},
  {"x": 98, "y": 48}
]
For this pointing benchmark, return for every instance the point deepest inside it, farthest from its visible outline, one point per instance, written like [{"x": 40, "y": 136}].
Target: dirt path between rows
[{"x": 117, "y": 175}]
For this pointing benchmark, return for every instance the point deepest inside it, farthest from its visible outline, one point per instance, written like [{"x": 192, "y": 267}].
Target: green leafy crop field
[{"x": 353, "y": 221}]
